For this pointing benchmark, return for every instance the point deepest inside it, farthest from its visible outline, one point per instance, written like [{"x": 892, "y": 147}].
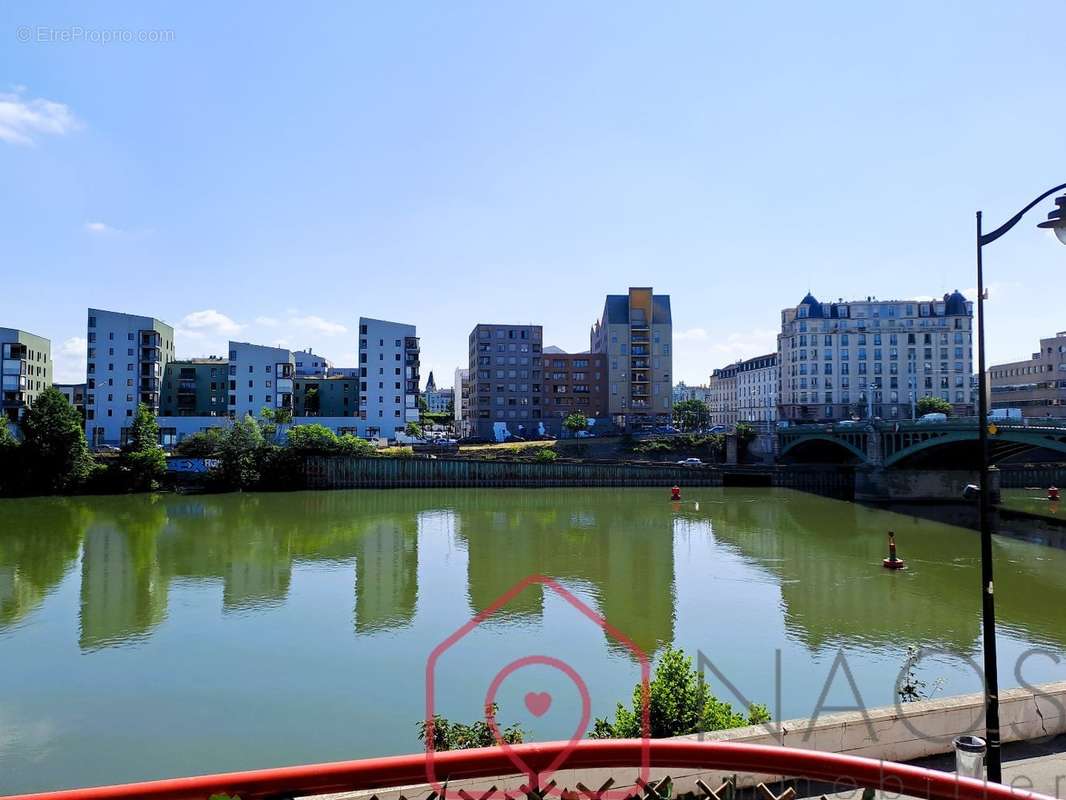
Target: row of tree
[{"x": 695, "y": 415}]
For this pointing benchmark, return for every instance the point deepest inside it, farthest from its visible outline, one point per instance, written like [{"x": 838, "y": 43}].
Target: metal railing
[{"x": 633, "y": 758}]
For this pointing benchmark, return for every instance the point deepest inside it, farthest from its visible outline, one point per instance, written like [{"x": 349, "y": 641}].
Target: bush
[
  {"x": 449, "y": 735},
  {"x": 10, "y": 458},
  {"x": 351, "y": 445},
  {"x": 312, "y": 439},
  {"x": 933, "y": 405},
  {"x": 545, "y": 455},
  {"x": 201, "y": 444},
  {"x": 679, "y": 703}
]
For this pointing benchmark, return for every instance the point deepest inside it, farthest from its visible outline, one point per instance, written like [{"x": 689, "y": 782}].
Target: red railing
[{"x": 383, "y": 773}]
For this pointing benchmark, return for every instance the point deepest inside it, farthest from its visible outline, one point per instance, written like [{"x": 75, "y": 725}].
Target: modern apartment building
[
  {"x": 259, "y": 377},
  {"x": 756, "y": 389},
  {"x": 505, "y": 380},
  {"x": 75, "y": 394},
  {"x": 857, "y": 357},
  {"x": 195, "y": 387},
  {"x": 126, "y": 358},
  {"x": 635, "y": 332},
  {"x": 333, "y": 396},
  {"x": 26, "y": 367},
  {"x": 574, "y": 383},
  {"x": 389, "y": 378},
  {"x": 722, "y": 396},
  {"x": 461, "y": 413},
  {"x": 1037, "y": 386},
  {"x": 311, "y": 365}
]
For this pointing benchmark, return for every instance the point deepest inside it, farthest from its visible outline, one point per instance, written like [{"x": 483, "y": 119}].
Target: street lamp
[{"x": 1056, "y": 221}]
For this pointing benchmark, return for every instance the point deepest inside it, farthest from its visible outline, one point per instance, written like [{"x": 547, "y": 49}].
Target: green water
[{"x": 143, "y": 637}]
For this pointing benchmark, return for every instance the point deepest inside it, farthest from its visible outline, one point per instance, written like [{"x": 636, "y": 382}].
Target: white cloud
[
  {"x": 209, "y": 321},
  {"x": 99, "y": 228},
  {"x": 68, "y": 362},
  {"x": 317, "y": 325},
  {"x": 691, "y": 335},
  {"x": 22, "y": 119},
  {"x": 747, "y": 344}
]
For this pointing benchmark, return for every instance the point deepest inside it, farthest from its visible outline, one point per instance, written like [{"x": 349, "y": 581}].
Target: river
[{"x": 152, "y": 636}]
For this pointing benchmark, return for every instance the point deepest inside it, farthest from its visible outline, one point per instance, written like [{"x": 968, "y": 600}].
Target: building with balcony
[
  {"x": 722, "y": 396},
  {"x": 126, "y": 357},
  {"x": 333, "y": 396},
  {"x": 461, "y": 389},
  {"x": 505, "y": 380},
  {"x": 1037, "y": 385},
  {"x": 196, "y": 387},
  {"x": 389, "y": 377},
  {"x": 635, "y": 332},
  {"x": 26, "y": 368},
  {"x": 862, "y": 357},
  {"x": 574, "y": 383},
  {"x": 259, "y": 377},
  {"x": 310, "y": 365},
  {"x": 75, "y": 394}
]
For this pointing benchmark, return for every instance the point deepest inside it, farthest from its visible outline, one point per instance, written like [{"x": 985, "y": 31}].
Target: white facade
[
  {"x": 683, "y": 392},
  {"x": 310, "y": 365},
  {"x": 461, "y": 399},
  {"x": 259, "y": 377},
  {"x": 756, "y": 390},
  {"x": 389, "y": 380},
  {"x": 439, "y": 400},
  {"x": 126, "y": 357}
]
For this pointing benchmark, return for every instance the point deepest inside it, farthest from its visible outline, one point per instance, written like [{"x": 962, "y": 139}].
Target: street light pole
[{"x": 1057, "y": 222}]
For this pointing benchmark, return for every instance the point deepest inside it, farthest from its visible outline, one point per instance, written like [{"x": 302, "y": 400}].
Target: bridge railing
[{"x": 951, "y": 423}]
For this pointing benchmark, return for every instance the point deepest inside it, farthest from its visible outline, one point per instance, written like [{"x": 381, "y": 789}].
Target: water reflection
[{"x": 616, "y": 547}]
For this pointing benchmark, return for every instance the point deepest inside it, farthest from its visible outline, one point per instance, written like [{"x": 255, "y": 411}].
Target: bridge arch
[
  {"x": 802, "y": 442},
  {"x": 899, "y": 447}
]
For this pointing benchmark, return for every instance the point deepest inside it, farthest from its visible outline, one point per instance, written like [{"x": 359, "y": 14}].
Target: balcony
[
  {"x": 186, "y": 386},
  {"x": 640, "y": 351},
  {"x": 150, "y": 354},
  {"x": 410, "y": 344}
]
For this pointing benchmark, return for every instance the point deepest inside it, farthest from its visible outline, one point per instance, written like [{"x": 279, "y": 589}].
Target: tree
[
  {"x": 413, "y": 429},
  {"x": 576, "y": 422},
  {"x": 201, "y": 443},
  {"x": 691, "y": 415},
  {"x": 351, "y": 445},
  {"x": 239, "y": 454},
  {"x": 55, "y": 453},
  {"x": 933, "y": 405},
  {"x": 312, "y": 439},
  {"x": 10, "y": 469},
  {"x": 142, "y": 458},
  {"x": 447, "y": 735},
  {"x": 272, "y": 420},
  {"x": 679, "y": 703}
]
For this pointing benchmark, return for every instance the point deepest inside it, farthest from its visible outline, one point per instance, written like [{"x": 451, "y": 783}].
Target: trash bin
[{"x": 970, "y": 757}]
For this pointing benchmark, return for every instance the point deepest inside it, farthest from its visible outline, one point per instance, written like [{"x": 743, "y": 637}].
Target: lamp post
[{"x": 1056, "y": 221}]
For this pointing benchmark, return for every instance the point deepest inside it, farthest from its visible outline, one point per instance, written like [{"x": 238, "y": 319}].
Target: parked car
[
  {"x": 847, "y": 423},
  {"x": 933, "y": 418},
  {"x": 690, "y": 462},
  {"x": 717, "y": 429},
  {"x": 106, "y": 448},
  {"x": 584, "y": 435}
]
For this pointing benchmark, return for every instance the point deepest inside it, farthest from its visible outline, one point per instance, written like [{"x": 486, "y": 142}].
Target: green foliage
[
  {"x": 201, "y": 443},
  {"x": 933, "y": 405},
  {"x": 271, "y": 421},
  {"x": 312, "y": 439},
  {"x": 745, "y": 432},
  {"x": 437, "y": 418},
  {"x": 240, "y": 456},
  {"x": 54, "y": 452},
  {"x": 10, "y": 460},
  {"x": 691, "y": 415},
  {"x": 413, "y": 428},
  {"x": 142, "y": 462},
  {"x": 910, "y": 687},
  {"x": 545, "y": 455},
  {"x": 312, "y": 401},
  {"x": 679, "y": 703},
  {"x": 576, "y": 422},
  {"x": 350, "y": 445},
  {"x": 449, "y": 735},
  {"x": 709, "y": 446}
]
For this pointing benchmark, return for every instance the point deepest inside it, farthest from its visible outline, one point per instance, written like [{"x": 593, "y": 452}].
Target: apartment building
[
  {"x": 389, "y": 377},
  {"x": 722, "y": 396},
  {"x": 26, "y": 368},
  {"x": 259, "y": 377},
  {"x": 635, "y": 332},
  {"x": 856, "y": 357},
  {"x": 574, "y": 383},
  {"x": 332, "y": 396},
  {"x": 310, "y": 365},
  {"x": 1037, "y": 385},
  {"x": 682, "y": 392},
  {"x": 756, "y": 389},
  {"x": 75, "y": 394},
  {"x": 126, "y": 358},
  {"x": 461, "y": 413},
  {"x": 505, "y": 380},
  {"x": 195, "y": 387}
]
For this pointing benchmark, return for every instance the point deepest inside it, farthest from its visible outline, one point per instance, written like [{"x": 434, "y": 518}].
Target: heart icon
[{"x": 538, "y": 703}]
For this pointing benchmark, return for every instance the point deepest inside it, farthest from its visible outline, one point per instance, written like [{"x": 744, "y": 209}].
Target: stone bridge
[{"x": 908, "y": 443}]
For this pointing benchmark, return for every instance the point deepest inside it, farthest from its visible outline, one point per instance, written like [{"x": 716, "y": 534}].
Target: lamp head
[{"x": 1056, "y": 220}]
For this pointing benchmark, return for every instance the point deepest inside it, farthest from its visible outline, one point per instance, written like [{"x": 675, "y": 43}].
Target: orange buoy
[
  {"x": 1053, "y": 493},
  {"x": 675, "y": 493},
  {"x": 893, "y": 561}
]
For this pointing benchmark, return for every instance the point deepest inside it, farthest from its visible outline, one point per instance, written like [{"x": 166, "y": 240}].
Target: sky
[{"x": 272, "y": 172}]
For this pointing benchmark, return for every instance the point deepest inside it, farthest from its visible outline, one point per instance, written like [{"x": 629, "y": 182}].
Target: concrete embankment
[{"x": 895, "y": 733}]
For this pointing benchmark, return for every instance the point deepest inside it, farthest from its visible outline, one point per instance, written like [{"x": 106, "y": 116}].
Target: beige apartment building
[
  {"x": 1037, "y": 386},
  {"x": 874, "y": 357},
  {"x": 744, "y": 392},
  {"x": 722, "y": 396},
  {"x": 635, "y": 332}
]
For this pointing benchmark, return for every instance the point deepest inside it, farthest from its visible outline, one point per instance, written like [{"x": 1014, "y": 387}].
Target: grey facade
[
  {"x": 505, "y": 366},
  {"x": 26, "y": 365},
  {"x": 1037, "y": 385},
  {"x": 196, "y": 387}
]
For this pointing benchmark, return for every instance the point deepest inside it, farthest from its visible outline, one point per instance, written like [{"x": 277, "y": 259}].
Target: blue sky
[{"x": 272, "y": 173}]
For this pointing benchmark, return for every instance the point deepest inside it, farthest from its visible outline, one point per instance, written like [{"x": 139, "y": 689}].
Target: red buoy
[
  {"x": 892, "y": 562},
  {"x": 675, "y": 493},
  {"x": 1053, "y": 493}
]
